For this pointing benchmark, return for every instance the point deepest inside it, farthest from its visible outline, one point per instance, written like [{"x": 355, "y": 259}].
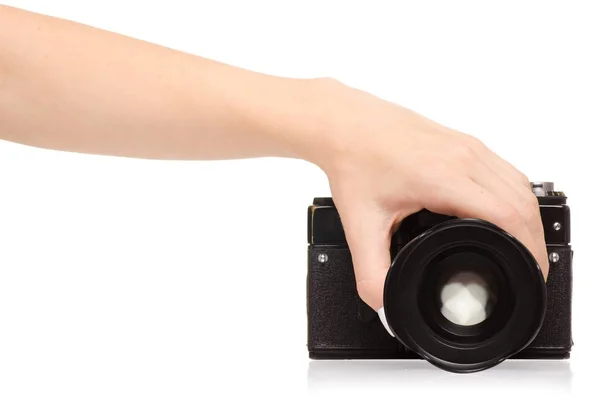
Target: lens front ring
[{"x": 512, "y": 328}]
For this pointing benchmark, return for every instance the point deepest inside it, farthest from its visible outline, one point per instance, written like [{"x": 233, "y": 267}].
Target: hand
[{"x": 385, "y": 162}]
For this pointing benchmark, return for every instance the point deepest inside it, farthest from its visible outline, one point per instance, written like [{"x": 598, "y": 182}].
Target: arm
[{"x": 72, "y": 87}]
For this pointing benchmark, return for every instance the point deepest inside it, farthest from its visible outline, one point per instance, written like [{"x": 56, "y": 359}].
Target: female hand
[
  {"x": 385, "y": 162},
  {"x": 72, "y": 87}
]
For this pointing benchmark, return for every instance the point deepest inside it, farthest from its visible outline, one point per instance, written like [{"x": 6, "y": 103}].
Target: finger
[
  {"x": 515, "y": 176},
  {"x": 368, "y": 233},
  {"x": 501, "y": 184},
  {"x": 524, "y": 202},
  {"x": 522, "y": 198},
  {"x": 497, "y": 163},
  {"x": 520, "y": 182},
  {"x": 467, "y": 199}
]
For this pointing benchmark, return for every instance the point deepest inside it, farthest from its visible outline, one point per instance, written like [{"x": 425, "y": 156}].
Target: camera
[{"x": 523, "y": 316}]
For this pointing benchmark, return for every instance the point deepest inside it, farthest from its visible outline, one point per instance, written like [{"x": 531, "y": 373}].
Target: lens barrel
[{"x": 412, "y": 301}]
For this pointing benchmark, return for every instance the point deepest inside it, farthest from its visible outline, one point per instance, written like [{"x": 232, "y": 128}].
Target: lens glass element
[{"x": 466, "y": 298}]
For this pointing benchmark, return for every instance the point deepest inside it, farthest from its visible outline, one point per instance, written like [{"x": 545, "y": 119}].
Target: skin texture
[{"x": 71, "y": 87}]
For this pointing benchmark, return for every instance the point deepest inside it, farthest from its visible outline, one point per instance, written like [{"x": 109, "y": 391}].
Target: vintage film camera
[{"x": 525, "y": 316}]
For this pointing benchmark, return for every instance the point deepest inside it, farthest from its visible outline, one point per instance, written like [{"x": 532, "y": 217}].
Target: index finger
[{"x": 470, "y": 200}]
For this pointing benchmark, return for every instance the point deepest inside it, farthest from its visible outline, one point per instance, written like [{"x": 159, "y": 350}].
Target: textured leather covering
[
  {"x": 334, "y": 306},
  {"x": 556, "y": 330},
  {"x": 340, "y": 325}
]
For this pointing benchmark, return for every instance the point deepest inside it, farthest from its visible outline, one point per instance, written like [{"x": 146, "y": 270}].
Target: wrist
[
  {"x": 320, "y": 140},
  {"x": 331, "y": 133},
  {"x": 294, "y": 117}
]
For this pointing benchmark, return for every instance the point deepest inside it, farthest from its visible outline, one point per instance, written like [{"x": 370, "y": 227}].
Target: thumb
[{"x": 368, "y": 233}]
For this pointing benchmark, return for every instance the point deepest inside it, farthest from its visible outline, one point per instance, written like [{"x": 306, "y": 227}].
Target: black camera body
[{"x": 533, "y": 319}]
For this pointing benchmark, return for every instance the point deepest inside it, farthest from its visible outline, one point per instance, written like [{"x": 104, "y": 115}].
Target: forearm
[{"x": 72, "y": 87}]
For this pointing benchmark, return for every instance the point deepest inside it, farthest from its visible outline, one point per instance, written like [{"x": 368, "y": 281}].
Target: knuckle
[
  {"x": 506, "y": 213},
  {"x": 476, "y": 143},
  {"x": 463, "y": 152},
  {"x": 523, "y": 179},
  {"x": 531, "y": 208},
  {"x": 473, "y": 142}
]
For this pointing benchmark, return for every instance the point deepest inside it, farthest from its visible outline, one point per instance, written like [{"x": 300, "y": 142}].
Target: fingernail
[{"x": 381, "y": 314}]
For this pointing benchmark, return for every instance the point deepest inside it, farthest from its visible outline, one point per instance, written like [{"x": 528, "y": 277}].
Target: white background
[{"x": 124, "y": 278}]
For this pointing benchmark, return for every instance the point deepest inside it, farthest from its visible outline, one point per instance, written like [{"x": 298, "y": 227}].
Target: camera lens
[{"x": 465, "y": 295}]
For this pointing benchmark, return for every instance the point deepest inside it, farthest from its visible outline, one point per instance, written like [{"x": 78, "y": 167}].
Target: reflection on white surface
[{"x": 331, "y": 376}]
